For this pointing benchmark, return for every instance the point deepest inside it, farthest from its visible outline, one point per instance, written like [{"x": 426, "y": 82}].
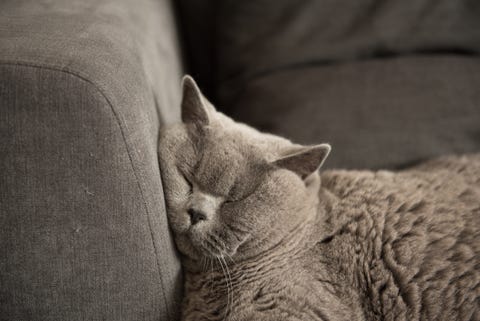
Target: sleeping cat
[{"x": 264, "y": 236}]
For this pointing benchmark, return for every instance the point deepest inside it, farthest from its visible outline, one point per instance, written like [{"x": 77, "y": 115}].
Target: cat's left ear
[
  {"x": 194, "y": 105},
  {"x": 305, "y": 160}
]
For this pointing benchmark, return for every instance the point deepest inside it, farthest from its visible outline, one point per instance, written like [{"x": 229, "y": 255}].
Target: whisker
[
  {"x": 228, "y": 288},
  {"x": 230, "y": 258},
  {"x": 224, "y": 246},
  {"x": 211, "y": 275},
  {"x": 204, "y": 263},
  {"x": 214, "y": 250},
  {"x": 217, "y": 240},
  {"x": 214, "y": 243},
  {"x": 230, "y": 281}
]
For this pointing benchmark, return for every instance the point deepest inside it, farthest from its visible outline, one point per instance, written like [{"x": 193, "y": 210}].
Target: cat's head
[{"x": 231, "y": 190}]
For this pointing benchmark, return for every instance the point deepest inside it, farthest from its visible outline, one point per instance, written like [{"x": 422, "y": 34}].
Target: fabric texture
[
  {"x": 388, "y": 83},
  {"x": 84, "y": 88}
]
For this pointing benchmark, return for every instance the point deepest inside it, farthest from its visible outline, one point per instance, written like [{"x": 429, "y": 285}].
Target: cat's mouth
[
  {"x": 207, "y": 239},
  {"x": 213, "y": 245}
]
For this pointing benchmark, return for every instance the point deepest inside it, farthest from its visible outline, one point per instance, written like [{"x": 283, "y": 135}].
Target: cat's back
[{"x": 414, "y": 237}]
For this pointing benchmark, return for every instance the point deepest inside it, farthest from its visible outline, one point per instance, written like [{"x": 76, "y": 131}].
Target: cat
[{"x": 264, "y": 237}]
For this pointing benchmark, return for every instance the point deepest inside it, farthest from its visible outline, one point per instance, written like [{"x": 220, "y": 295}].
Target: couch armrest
[{"x": 84, "y": 87}]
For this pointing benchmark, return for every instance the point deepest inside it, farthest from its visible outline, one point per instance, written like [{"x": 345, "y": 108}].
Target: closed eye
[
  {"x": 190, "y": 185},
  {"x": 236, "y": 196}
]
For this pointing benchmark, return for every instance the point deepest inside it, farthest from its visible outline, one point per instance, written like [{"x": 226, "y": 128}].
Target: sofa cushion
[
  {"x": 388, "y": 83},
  {"x": 84, "y": 87}
]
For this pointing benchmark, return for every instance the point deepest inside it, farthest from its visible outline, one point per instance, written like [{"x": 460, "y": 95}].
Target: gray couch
[{"x": 86, "y": 84}]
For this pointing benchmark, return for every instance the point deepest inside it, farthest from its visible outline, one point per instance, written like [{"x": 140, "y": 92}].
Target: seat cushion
[{"x": 388, "y": 83}]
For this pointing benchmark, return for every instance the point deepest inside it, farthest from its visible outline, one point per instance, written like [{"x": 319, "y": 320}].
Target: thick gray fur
[{"x": 281, "y": 242}]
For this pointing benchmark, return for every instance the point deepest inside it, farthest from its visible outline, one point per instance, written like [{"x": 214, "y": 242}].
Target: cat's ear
[
  {"x": 305, "y": 160},
  {"x": 194, "y": 106}
]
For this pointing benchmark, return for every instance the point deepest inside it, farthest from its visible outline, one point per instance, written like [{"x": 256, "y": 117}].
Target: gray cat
[{"x": 263, "y": 236}]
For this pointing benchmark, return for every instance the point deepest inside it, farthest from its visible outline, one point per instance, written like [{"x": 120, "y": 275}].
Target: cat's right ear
[
  {"x": 194, "y": 107},
  {"x": 305, "y": 160}
]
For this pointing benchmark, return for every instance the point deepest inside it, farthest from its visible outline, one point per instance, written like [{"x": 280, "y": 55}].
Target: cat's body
[
  {"x": 353, "y": 245},
  {"x": 384, "y": 246}
]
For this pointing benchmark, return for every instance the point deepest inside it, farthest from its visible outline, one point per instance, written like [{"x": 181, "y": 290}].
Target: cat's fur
[{"x": 275, "y": 244}]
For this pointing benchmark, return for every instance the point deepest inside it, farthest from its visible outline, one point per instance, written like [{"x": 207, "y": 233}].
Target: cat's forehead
[
  {"x": 226, "y": 159},
  {"x": 230, "y": 147}
]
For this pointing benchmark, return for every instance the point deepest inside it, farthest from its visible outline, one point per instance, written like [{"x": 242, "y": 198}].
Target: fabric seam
[{"x": 117, "y": 118}]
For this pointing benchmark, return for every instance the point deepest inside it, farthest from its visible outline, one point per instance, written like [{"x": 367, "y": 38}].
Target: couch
[{"x": 86, "y": 84}]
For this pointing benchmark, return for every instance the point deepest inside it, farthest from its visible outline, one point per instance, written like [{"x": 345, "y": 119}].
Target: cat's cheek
[
  {"x": 185, "y": 247},
  {"x": 178, "y": 221},
  {"x": 237, "y": 248}
]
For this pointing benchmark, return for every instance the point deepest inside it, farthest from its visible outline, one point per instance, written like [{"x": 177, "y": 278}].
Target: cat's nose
[{"x": 196, "y": 216}]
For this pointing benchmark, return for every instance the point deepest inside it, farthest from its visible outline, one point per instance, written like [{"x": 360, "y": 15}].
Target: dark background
[{"x": 387, "y": 83}]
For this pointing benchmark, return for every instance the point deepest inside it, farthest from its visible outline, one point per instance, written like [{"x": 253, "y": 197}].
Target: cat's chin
[
  {"x": 196, "y": 251},
  {"x": 185, "y": 247},
  {"x": 208, "y": 249}
]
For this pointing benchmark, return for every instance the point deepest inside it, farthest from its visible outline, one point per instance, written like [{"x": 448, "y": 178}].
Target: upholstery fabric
[
  {"x": 84, "y": 87},
  {"x": 388, "y": 83}
]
